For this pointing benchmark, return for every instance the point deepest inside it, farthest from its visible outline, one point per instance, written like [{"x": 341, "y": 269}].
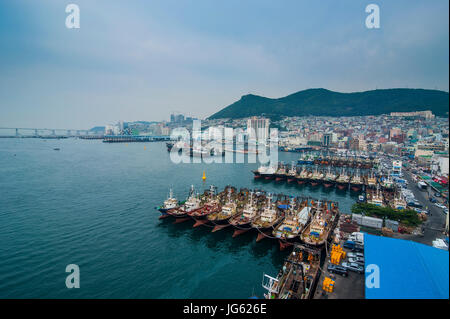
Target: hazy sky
[{"x": 141, "y": 60}]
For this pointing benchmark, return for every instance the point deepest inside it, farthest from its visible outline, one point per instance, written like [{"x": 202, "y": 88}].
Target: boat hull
[
  {"x": 329, "y": 184},
  {"x": 268, "y": 176},
  {"x": 315, "y": 182},
  {"x": 256, "y": 175},
  {"x": 356, "y": 187},
  {"x": 244, "y": 225},
  {"x": 179, "y": 213},
  {"x": 267, "y": 229},
  {"x": 342, "y": 186},
  {"x": 222, "y": 221}
]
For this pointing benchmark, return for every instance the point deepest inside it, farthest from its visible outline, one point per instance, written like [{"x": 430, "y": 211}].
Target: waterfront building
[{"x": 258, "y": 128}]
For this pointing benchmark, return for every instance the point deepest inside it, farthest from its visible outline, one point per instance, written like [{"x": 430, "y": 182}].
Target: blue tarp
[
  {"x": 283, "y": 206},
  {"x": 408, "y": 270}
]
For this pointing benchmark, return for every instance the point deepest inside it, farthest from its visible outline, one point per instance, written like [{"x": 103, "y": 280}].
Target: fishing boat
[
  {"x": 309, "y": 159},
  {"x": 269, "y": 218},
  {"x": 376, "y": 198},
  {"x": 356, "y": 182},
  {"x": 292, "y": 173},
  {"x": 316, "y": 177},
  {"x": 228, "y": 210},
  {"x": 295, "y": 219},
  {"x": 399, "y": 202},
  {"x": 169, "y": 204},
  {"x": 257, "y": 172},
  {"x": 343, "y": 180},
  {"x": 169, "y": 146},
  {"x": 302, "y": 178},
  {"x": 192, "y": 204},
  {"x": 388, "y": 183},
  {"x": 371, "y": 180},
  {"x": 321, "y": 225},
  {"x": 280, "y": 174},
  {"x": 267, "y": 172},
  {"x": 330, "y": 179},
  {"x": 242, "y": 222},
  {"x": 298, "y": 277},
  {"x": 211, "y": 204}
]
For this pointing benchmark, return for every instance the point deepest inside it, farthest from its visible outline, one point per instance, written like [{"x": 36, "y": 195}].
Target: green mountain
[{"x": 322, "y": 102}]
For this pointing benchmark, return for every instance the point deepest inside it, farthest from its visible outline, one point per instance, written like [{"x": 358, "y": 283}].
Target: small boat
[
  {"x": 372, "y": 180},
  {"x": 330, "y": 179},
  {"x": 210, "y": 205},
  {"x": 257, "y": 172},
  {"x": 227, "y": 211},
  {"x": 280, "y": 174},
  {"x": 296, "y": 217},
  {"x": 343, "y": 180},
  {"x": 264, "y": 172},
  {"x": 193, "y": 203},
  {"x": 399, "y": 202},
  {"x": 292, "y": 173},
  {"x": 388, "y": 183},
  {"x": 376, "y": 198},
  {"x": 169, "y": 204},
  {"x": 56, "y": 149},
  {"x": 303, "y": 177},
  {"x": 316, "y": 178},
  {"x": 249, "y": 213},
  {"x": 298, "y": 277},
  {"x": 269, "y": 218},
  {"x": 356, "y": 182},
  {"x": 323, "y": 222}
]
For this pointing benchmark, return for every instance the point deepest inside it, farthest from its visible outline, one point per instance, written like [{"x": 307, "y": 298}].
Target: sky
[{"x": 142, "y": 60}]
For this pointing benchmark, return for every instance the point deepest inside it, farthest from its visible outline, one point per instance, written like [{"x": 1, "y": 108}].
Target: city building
[{"x": 258, "y": 128}]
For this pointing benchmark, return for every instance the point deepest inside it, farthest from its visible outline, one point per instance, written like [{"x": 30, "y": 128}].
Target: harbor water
[{"x": 93, "y": 204}]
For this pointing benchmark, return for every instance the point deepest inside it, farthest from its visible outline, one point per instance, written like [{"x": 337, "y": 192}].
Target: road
[{"x": 435, "y": 225}]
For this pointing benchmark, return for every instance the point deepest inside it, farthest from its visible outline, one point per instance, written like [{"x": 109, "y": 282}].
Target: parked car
[
  {"x": 357, "y": 260},
  {"x": 415, "y": 204},
  {"x": 353, "y": 267},
  {"x": 440, "y": 205},
  {"x": 354, "y": 254},
  {"x": 433, "y": 200},
  {"x": 437, "y": 194},
  {"x": 353, "y": 246},
  {"x": 335, "y": 269}
]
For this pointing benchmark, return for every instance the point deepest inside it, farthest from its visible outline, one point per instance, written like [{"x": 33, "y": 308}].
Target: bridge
[
  {"x": 45, "y": 132},
  {"x": 135, "y": 138}
]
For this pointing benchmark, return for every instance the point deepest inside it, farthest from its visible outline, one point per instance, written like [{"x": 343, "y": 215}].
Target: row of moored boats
[
  {"x": 288, "y": 219},
  {"x": 329, "y": 177}
]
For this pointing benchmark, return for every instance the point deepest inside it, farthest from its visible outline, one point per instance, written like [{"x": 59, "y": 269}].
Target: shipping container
[
  {"x": 391, "y": 224},
  {"x": 357, "y": 218},
  {"x": 372, "y": 222}
]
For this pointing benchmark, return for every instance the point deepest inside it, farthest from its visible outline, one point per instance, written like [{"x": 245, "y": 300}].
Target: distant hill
[
  {"x": 97, "y": 129},
  {"x": 322, "y": 102}
]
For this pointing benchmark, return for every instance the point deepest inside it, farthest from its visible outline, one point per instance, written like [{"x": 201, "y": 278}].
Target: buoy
[{"x": 204, "y": 176}]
